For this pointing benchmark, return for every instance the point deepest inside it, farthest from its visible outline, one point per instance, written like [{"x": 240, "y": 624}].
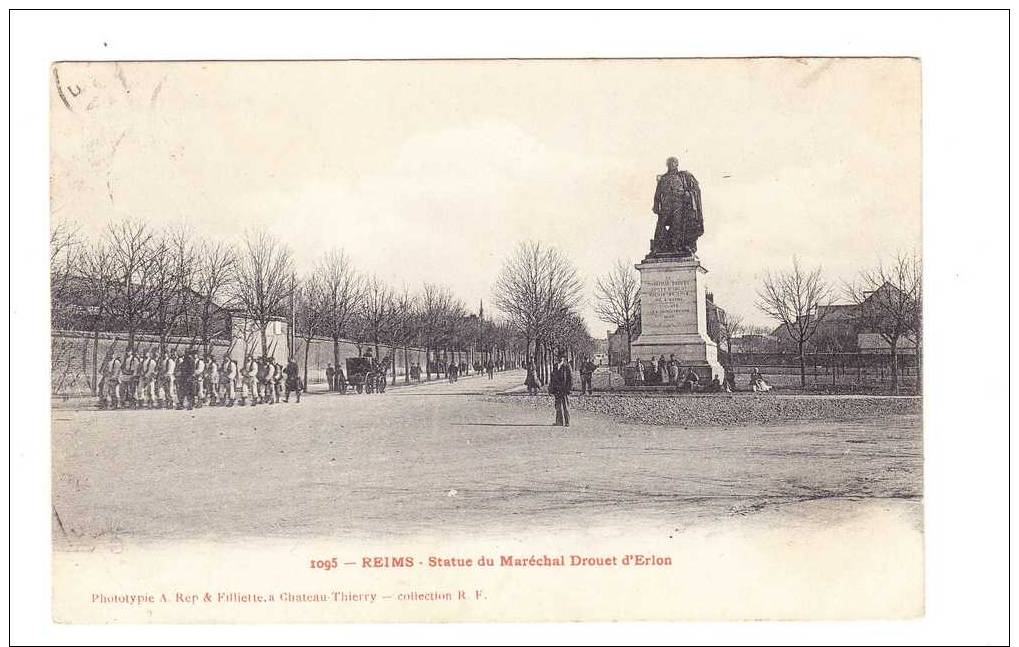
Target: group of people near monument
[
  {"x": 188, "y": 379},
  {"x": 669, "y": 372}
]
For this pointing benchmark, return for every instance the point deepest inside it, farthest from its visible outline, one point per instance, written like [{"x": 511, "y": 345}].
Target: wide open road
[{"x": 446, "y": 458}]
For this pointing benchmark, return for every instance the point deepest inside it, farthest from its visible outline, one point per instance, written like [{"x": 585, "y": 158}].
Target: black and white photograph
[{"x": 493, "y": 339}]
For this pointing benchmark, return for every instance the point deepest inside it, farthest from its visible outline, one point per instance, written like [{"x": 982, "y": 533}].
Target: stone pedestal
[{"x": 673, "y": 315}]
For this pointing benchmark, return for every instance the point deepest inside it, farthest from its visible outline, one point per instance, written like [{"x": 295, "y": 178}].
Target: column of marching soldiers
[{"x": 186, "y": 379}]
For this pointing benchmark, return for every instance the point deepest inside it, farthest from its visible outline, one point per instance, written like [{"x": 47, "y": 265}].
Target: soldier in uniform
[
  {"x": 262, "y": 380},
  {"x": 129, "y": 379},
  {"x": 279, "y": 381},
  {"x": 185, "y": 379},
  {"x": 294, "y": 382},
  {"x": 249, "y": 373},
  {"x": 180, "y": 379},
  {"x": 110, "y": 393},
  {"x": 229, "y": 380},
  {"x": 331, "y": 377},
  {"x": 212, "y": 380},
  {"x": 197, "y": 379},
  {"x": 149, "y": 370},
  {"x": 165, "y": 379}
]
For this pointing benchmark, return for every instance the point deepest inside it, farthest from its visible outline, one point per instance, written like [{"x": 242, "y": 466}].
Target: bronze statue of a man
[{"x": 680, "y": 219}]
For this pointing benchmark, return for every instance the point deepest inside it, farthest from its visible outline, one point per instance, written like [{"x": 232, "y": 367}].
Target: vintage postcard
[{"x": 486, "y": 340}]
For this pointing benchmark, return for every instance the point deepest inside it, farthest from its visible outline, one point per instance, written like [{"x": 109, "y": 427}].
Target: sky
[{"x": 436, "y": 170}]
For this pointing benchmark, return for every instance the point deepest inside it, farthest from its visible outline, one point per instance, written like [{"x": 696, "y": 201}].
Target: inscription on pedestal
[{"x": 670, "y": 306}]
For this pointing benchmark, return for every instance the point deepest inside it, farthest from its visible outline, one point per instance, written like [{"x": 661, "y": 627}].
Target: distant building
[
  {"x": 849, "y": 327},
  {"x": 750, "y": 344}
]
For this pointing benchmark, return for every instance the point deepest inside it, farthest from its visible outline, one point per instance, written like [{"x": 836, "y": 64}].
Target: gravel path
[{"x": 728, "y": 410}]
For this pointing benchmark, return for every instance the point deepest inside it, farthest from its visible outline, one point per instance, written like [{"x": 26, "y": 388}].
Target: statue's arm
[
  {"x": 658, "y": 197},
  {"x": 696, "y": 189}
]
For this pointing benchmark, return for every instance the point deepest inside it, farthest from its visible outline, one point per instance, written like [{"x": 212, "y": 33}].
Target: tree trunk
[
  {"x": 406, "y": 366},
  {"x": 629, "y": 342},
  {"x": 95, "y": 364},
  {"x": 307, "y": 349},
  {"x": 336, "y": 360},
  {"x": 265, "y": 339},
  {"x": 803, "y": 365},
  {"x": 895, "y": 364}
]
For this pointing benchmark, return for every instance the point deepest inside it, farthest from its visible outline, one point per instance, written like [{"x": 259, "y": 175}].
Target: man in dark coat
[
  {"x": 586, "y": 376},
  {"x": 560, "y": 384}
]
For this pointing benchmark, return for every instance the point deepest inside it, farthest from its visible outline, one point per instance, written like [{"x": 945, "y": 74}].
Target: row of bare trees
[
  {"x": 540, "y": 292},
  {"x": 887, "y": 300},
  {"x": 134, "y": 279}
]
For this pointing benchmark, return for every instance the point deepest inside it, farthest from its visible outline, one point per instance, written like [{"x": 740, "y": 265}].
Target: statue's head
[{"x": 672, "y": 163}]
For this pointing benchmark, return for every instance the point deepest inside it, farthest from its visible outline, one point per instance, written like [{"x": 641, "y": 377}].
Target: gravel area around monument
[{"x": 728, "y": 410}]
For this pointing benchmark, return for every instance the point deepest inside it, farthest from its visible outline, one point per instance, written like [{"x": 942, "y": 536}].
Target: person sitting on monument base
[{"x": 689, "y": 381}]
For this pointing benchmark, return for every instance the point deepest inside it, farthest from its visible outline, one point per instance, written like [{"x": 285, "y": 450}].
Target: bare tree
[
  {"x": 404, "y": 324},
  {"x": 171, "y": 289},
  {"x": 616, "y": 299},
  {"x": 376, "y": 311},
  {"x": 65, "y": 244},
  {"x": 95, "y": 289},
  {"x": 133, "y": 253},
  {"x": 887, "y": 298},
  {"x": 436, "y": 308},
  {"x": 310, "y": 314},
  {"x": 341, "y": 292},
  {"x": 798, "y": 299},
  {"x": 264, "y": 282},
  {"x": 216, "y": 271},
  {"x": 730, "y": 327},
  {"x": 537, "y": 288}
]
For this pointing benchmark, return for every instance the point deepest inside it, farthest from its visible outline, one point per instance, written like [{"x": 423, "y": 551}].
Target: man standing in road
[
  {"x": 586, "y": 376},
  {"x": 560, "y": 385}
]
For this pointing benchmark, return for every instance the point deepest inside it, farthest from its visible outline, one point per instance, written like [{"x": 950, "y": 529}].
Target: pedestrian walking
[
  {"x": 229, "y": 374},
  {"x": 168, "y": 379},
  {"x": 110, "y": 389},
  {"x": 586, "y": 376},
  {"x": 560, "y": 385},
  {"x": 149, "y": 374},
  {"x": 331, "y": 378},
  {"x": 295, "y": 384},
  {"x": 212, "y": 382},
  {"x": 129, "y": 379},
  {"x": 249, "y": 381}
]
